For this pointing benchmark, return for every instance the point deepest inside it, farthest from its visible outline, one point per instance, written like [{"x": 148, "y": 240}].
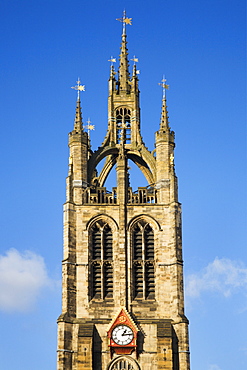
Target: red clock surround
[{"x": 123, "y": 319}]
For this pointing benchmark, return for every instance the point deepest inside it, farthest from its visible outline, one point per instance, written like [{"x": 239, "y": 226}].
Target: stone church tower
[{"x": 123, "y": 299}]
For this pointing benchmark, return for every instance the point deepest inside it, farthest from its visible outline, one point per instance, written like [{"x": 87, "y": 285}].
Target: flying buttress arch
[{"x": 145, "y": 165}]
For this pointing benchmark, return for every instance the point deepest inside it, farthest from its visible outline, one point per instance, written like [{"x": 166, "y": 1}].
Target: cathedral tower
[{"x": 122, "y": 288}]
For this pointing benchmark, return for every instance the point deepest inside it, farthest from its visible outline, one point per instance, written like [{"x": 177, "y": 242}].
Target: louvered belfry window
[
  {"x": 101, "y": 261},
  {"x": 143, "y": 261}
]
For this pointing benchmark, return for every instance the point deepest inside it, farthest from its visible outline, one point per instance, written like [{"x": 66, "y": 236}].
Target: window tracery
[
  {"x": 101, "y": 261},
  {"x": 123, "y": 363},
  {"x": 143, "y": 263}
]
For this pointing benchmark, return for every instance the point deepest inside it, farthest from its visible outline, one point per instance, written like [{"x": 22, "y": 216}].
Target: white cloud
[
  {"x": 222, "y": 275},
  {"x": 214, "y": 367},
  {"x": 22, "y": 276}
]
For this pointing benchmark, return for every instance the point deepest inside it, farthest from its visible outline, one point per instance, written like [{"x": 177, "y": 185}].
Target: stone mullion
[
  {"x": 143, "y": 264},
  {"x": 102, "y": 279},
  {"x": 102, "y": 264},
  {"x": 90, "y": 267},
  {"x": 90, "y": 280}
]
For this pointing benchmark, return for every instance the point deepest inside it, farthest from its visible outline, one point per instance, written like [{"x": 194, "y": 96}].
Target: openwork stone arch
[
  {"x": 97, "y": 157},
  {"x": 144, "y": 160},
  {"x": 123, "y": 363}
]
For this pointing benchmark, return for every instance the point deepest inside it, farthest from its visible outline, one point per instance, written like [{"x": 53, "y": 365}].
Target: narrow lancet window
[
  {"x": 101, "y": 261},
  {"x": 143, "y": 261}
]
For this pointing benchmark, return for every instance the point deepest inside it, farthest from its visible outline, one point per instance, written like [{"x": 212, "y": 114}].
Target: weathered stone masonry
[{"x": 122, "y": 248}]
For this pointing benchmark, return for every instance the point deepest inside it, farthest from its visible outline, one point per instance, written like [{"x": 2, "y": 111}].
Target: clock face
[{"x": 122, "y": 335}]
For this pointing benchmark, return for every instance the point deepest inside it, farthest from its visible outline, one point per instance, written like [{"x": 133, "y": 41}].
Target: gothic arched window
[
  {"x": 123, "y": 125},
  {"x": 143, "y": 261},
  {"x": 101, "y": 261},
  {"x": 123, "y": 363}
]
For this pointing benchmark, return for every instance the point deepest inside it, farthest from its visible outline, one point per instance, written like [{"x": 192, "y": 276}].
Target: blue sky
[{"x": 200, "y": 47}]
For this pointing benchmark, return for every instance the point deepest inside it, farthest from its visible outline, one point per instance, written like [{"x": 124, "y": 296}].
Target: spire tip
[
  {"x": 125, "y": 21},
  {"x": 78, "y": 88}
]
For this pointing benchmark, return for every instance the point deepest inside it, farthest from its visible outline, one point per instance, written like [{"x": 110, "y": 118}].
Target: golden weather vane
[
  {"x": 78, "y": 88},
  {"x": 89, "y": 127},
  {"x": 125, "y": 21},
  {"x": 164, "y": 86},
  {"x": 112, "y": 60},
  {"x": 135, "y": 59}
]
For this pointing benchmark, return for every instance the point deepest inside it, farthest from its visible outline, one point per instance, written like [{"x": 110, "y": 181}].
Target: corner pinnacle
[
  {"x": 164, "y": 123},
  {"x": 78, "y": 115}
]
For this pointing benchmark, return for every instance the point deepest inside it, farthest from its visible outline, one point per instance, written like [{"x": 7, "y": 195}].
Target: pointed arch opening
[
  {"x": 100, "y": 260},
  {"x": 143, "y": 261},
  {"x": 137, "y": 177},
  {"x": 140, "y": 189}
]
